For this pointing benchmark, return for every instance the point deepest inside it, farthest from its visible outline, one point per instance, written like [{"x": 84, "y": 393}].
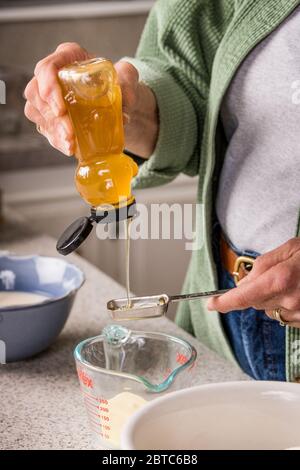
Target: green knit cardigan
[{"x": 188, "y": 55}]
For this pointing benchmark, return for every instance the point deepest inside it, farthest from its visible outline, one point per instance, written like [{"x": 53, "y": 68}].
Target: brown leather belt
[{"x": 237, "y": 266}]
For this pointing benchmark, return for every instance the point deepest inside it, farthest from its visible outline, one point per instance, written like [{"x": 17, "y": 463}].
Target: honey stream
[{"x": 127, "y": 261}]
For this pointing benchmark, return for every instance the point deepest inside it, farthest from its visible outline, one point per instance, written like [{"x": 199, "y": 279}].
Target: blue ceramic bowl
[{"x": 28, "y": 330}]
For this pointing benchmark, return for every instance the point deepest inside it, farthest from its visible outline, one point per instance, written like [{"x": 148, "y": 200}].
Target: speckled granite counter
[{"x": 41, "y": 405}]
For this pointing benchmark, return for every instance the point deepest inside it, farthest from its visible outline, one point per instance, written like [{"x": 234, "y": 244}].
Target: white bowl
[{"x": 225, "y": 416}]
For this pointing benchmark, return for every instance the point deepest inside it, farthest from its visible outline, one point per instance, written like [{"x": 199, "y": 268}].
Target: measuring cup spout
[
  {"x": 115, "y": 338},
  {"x": 115, "y": 335}
]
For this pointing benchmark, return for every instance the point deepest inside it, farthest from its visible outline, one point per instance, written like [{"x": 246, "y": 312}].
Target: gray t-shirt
[{"x": 258, "y": 199}]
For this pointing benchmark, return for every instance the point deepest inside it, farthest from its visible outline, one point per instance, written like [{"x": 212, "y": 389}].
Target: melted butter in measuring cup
[{"x": 121, "y": 407}]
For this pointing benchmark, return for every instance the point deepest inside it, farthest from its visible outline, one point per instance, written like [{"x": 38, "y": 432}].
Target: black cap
[
  {"x": 74, "y": 235},
  {"x": 79, "y": 230},
  {"x": 109, "y": 216}
]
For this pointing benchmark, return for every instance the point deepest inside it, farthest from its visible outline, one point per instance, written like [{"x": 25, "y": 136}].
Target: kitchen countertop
[{"x": 41, "y": 403}]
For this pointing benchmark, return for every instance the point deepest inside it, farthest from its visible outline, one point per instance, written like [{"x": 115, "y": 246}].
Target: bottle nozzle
[{"x": 107, "y": 214}]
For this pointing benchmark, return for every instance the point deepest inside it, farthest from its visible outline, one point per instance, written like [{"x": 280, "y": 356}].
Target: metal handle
[{"x": 214, "y": 293}]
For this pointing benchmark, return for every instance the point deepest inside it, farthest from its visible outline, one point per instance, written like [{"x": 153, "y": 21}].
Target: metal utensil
[{"x": 138, "y": 308}]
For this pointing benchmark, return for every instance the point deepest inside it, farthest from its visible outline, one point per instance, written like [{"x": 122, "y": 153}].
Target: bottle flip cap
[{"x": 79, "y": 230}]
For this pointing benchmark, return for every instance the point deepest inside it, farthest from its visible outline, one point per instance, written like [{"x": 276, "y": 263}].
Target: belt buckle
[{"x": 247, "y": 261}]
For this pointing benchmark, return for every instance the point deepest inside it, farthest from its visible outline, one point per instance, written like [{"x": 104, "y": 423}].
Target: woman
[{"x": 212, "y": 92}]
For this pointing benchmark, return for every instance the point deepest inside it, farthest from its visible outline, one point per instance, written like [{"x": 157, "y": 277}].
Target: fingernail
[
  {"x": 126, "y": 119},
  {"x": 55, "y": 107}
]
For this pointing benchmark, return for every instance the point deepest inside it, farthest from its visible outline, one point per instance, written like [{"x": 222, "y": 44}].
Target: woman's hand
[
  {"x": 45, "y": 105},
  {"x": 274, "y": 282}
]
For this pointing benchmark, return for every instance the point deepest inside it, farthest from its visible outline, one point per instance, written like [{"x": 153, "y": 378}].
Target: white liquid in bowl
[{"x": 17, "y": 298}]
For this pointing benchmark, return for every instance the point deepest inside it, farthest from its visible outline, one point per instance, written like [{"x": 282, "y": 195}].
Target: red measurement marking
[
  {"x": 92, "y": 420},
  {"x": 104, "y": 436},
  {"x": 99, "y": 433},
  {"x": 92, "y": 410},
  {"x": 97, "y": 430},
  {"x": 89, "y": 403},
  {"x": 105, "y": 410},
  {"x": 93, "y": 413},
  {"x": 181, "y": 358},
  {"x": 103, "y": 401},
  {"x": 104, "y": 418},
  {"x": 95, "y": 424},
  {"x": 88, "y": 395},
  {"x": 100, "y": 408},
  {"x": 85, "y": 379},
  {"x": 90, "y": 407}
]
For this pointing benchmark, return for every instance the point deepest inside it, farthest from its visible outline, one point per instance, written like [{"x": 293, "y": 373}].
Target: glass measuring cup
[{"x": 120, "y": 370}]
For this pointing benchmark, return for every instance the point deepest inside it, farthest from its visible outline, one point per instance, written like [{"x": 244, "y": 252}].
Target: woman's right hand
[{"x": 45, "y": 105}]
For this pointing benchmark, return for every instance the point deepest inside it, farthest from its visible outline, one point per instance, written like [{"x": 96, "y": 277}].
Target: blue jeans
[{"x": 258, "y": 343}]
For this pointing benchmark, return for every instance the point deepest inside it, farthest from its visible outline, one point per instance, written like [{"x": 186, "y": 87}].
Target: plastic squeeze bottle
[{"x": 104, "y": 173}]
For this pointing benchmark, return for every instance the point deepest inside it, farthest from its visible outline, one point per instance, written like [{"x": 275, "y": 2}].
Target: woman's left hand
[{"x": 274, "y": 282}]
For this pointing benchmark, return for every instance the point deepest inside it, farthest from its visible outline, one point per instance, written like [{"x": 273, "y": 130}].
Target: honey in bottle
[
  {"x": 104, "y": 173},
  {"x": 94, "y": 102}
]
